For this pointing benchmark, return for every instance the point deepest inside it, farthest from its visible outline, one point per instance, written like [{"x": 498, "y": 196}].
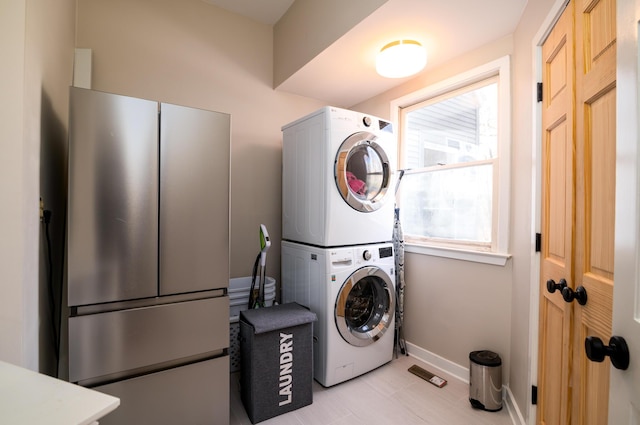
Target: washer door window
[
  {"x": 365, "y": 306},
  {"x": 362, "y": 172}
]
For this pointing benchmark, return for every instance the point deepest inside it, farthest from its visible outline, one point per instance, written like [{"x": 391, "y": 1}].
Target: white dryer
[
  {"x": 351, "y": 290},
  {"x": 338, "y": 178}
]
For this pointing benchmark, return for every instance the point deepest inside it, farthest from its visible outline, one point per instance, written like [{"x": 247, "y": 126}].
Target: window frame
[{"x": 500, "y": 68}]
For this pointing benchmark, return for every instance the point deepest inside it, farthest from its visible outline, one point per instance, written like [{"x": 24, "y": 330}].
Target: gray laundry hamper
[{"x": 276, "y": 355}]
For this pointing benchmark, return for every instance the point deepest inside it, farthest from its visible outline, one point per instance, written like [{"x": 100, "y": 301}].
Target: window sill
[{"x": 459, "y": 254}]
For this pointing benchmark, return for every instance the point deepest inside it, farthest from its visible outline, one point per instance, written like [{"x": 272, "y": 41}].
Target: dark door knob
[
  {"x": 579, "y": 294},
  {"x": 617, "y": 350},
  {"x": 552, "y": 286}
]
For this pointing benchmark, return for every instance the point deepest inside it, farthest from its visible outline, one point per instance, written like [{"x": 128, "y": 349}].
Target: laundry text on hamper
[
  {"x": 271, "y": 382},
  {"x": 286, "y": 367}
]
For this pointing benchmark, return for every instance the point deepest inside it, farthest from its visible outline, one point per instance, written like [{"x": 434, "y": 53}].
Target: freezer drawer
[
  {"x": 115, "y": 342},
  {"x": 193, "y": 394}
]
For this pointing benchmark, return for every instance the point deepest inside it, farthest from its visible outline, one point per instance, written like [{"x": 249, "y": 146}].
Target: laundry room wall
[
  {"x": 195, "y": 54},
  {"x": 453, "y": 306},
  {"x": 36, "y": 41}
]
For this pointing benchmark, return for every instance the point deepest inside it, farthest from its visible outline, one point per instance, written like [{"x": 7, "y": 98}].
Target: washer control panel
[
  {"x": 385, "y": 252},
  {"x": 373, "y": 253}
]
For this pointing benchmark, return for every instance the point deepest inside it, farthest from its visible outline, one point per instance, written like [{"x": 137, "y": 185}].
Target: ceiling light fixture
[{"x": 401, "y": 58}]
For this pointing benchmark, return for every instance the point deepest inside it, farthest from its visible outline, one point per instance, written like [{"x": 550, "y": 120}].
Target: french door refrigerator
[{"x": 148, "y": 257}]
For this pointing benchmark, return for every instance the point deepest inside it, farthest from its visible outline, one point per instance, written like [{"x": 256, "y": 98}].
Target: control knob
[
  {"x": 366, "y": 255},
  {"x": 366, "y": 121}
]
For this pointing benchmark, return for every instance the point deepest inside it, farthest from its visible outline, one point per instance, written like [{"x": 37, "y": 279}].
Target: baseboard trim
[
  {"x": 462, "y": 373},
  {"x": 459, "y": 372},
  {"x": 512, "y": 407}
]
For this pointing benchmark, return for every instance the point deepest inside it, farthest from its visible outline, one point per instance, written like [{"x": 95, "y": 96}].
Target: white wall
[
  {"x": 195, "y": 54},
  {"x": 36, "y": 37},
  {"x": 16, "y": 326},
  {"x": 48, "y": 73},
  {"x": 523, "y": 205},
  {"x": 307, "y": 28},
  {"x": 454, "y": 307}
]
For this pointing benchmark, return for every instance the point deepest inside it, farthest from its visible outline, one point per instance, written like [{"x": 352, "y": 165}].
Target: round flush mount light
[{"x": 401, "y": 58}]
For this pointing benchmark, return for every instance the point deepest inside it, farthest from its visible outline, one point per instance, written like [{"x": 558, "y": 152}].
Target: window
[{"x": 454, "y": 147}]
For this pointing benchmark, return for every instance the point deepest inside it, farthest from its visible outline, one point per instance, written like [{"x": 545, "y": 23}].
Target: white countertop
[{"x": 27, "y": 397}]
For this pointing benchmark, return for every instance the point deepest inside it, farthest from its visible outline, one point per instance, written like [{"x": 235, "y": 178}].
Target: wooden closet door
[
  {"x": 557, "y": 221},
  {"x": 595, "y": 201},
  {"x": 578, "y": 189}
]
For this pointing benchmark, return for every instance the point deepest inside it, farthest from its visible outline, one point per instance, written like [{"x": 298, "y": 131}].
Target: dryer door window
[
  {"x": 362, "y": 172},
  {"x": 365, "y": 306}
]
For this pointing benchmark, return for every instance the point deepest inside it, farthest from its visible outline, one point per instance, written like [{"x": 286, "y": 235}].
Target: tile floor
[{"x": 388, "y": 395}]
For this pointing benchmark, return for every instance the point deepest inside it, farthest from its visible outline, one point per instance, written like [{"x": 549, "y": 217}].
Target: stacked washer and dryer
[{"x": 337, "y": 254}]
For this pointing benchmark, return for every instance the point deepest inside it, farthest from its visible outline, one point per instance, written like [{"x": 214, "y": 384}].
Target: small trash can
[
  {"x": 276, "y": 356},
  {"x": 485, "y": 380}
]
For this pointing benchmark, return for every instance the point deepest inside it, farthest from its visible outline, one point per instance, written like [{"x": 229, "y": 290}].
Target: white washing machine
[
  {"x": 351, "y": 290},
  {"x": 338, "y": 178}
]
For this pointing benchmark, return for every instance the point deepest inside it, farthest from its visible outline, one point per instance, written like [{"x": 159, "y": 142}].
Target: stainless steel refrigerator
[{"x": 148, "y": 257}]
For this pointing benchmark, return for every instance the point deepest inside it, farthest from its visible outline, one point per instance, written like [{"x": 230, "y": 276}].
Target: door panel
[
  {"x": 559, "y": 156},
  {"x": 555, "y": 359},
  {"x": 557, "y": 221},
  {"x": 578, "y": 211},
  {"x": 595, "y": 200},
  {"x": 594, "y": 375},
  {"x": 557, "y": 68},
  {"x": 365, "y": 307},
  {"x": 113, "y": 198},
  {"x": 363, "y": 172},
  {"x": 597, "y": 24},
  {"x": 194, "y": 199},
  {"x": 600, "y": 187}
]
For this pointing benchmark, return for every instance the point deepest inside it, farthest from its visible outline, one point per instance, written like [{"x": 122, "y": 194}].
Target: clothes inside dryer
[
  {"x": 365, "y": 172},
  {"x": 362, "y": 172}
]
